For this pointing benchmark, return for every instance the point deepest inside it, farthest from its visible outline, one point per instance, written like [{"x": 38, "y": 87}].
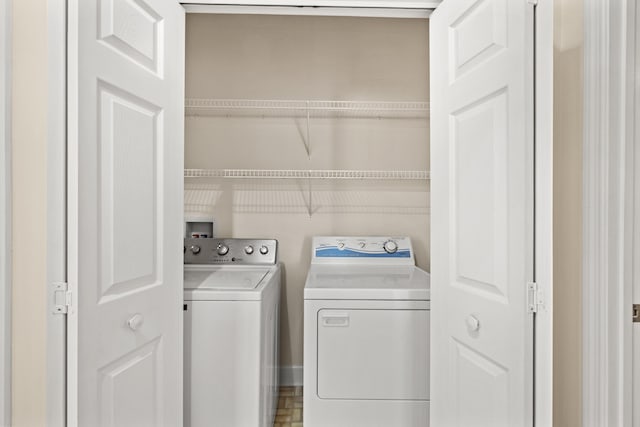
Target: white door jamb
[
  {"x": 56, "y": 208},
  {"x": 543, "y": 357},
  {"x": 606, "y": 307},
  {"x": 632, "y": 344}
]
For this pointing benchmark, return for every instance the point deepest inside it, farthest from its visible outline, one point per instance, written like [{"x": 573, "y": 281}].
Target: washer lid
[
  {"x": 229, "y": 283},
  {"x": 224, "y": 279},
  {"x": 367, "y": 283}
]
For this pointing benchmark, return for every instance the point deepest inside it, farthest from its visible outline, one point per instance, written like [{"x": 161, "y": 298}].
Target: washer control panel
[
  {"x": 230, "y": 251},
  {"x": 370, "y": 250}
]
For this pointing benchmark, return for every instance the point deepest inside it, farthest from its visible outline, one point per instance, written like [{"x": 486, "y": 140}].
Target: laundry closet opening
[{"x": 299, "y": 126}]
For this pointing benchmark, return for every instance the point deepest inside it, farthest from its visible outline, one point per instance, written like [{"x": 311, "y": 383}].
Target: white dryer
[
  {"x": 366, "y": 334},
  {"x": 231, "y": 306}
]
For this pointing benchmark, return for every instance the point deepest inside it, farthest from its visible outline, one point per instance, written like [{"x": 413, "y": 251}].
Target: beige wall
[
  {"x": 276, "y": 57},
  {"x": 567, "y": 220},
  {"x": 29, "y": 153}
]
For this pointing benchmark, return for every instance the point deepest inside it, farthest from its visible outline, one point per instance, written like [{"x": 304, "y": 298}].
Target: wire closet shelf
[
  {"x": 306, "y": 174},
  {"x": 305, "y": 108}
]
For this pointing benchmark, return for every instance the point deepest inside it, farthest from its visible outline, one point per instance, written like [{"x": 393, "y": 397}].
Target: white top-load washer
[
  {"x": 366, "y": 334},
  {"x": 231, "y": 306}
]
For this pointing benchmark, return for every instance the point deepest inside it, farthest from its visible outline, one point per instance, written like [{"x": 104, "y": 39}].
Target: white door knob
[
  {"x": 473, "y": 323},
  {"x": 136, "y": 321}
]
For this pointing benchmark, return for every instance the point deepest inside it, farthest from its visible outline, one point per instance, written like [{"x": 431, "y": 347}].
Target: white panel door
[
  {"x": 125, "y": 192},
  {"x": 482, "y": 213}
]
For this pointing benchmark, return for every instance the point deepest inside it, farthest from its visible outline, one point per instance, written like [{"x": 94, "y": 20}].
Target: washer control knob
[
  {"x": 223, "y": 249},
  {"x": 195, "y": 249},
  {"x": 340, "y": 245},
  {"x": 362, "y": 245},
  {"x": 264, "y": 250},
  {"x": 248, "y": 250},
  {"x": 390, "y": 247}
]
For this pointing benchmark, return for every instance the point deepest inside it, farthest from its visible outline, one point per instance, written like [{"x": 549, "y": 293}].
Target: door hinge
[
  {"x": 61, "y": 298},
  {"x": 636, "y": 313},
  {"x": 535, "y": 298}
]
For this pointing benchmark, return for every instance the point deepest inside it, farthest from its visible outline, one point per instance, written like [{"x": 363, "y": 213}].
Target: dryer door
[{"x": 373, "y": 354}]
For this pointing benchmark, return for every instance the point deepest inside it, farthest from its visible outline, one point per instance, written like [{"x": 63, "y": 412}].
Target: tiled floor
[{"x": 289, "y": 407}]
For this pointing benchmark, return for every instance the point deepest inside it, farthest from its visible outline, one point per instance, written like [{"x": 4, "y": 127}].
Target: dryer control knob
[
  {"x": 223, "y": 249},
  {"x": 390, "y": 247},
  {"x": 248, "y": 250},
  {"x": 264, "y": 250},
  {"x": 195, "y": 249}
]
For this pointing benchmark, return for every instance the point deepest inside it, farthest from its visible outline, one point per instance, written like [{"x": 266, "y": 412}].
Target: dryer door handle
[{"x": 335, "y": 319}]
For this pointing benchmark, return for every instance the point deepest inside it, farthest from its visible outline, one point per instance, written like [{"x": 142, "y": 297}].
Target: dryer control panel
[
  {"x": 385, "y": 250},
  {"x": 230, "y": 251}
]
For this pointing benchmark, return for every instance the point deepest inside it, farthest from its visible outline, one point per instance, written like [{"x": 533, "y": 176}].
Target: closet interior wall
[{"x": 253, "y": 57}]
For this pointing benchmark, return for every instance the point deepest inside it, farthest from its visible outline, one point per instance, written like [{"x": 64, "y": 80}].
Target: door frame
[
  {"x": 543, "y": 222},
  {"x": 56, "y": 351},
  {"x": 609, "y": 38},
  {"x": 56, "y": 209},
  {"x": 5, "y": 213}
]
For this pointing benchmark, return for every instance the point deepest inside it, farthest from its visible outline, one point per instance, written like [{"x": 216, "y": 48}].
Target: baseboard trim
[{"x": 291, "y": 375}]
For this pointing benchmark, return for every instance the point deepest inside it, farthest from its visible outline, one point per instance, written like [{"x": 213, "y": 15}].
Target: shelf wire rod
[
  {"x": 308, "y": 132},
  {"x": 310, "y": 193},
  {"x": 309, "y": 156}
]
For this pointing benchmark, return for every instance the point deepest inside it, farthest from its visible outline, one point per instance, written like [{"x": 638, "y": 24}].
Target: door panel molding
[{"x": 607, "y": 144}]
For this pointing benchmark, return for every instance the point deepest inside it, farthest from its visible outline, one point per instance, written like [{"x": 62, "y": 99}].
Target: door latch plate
[
  {"x": 636, "y": 313},
  {"x": 61, "y": 298}
]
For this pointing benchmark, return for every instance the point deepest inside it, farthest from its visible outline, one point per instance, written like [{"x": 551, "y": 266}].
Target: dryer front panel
[{"x": 373, "y": 354}]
